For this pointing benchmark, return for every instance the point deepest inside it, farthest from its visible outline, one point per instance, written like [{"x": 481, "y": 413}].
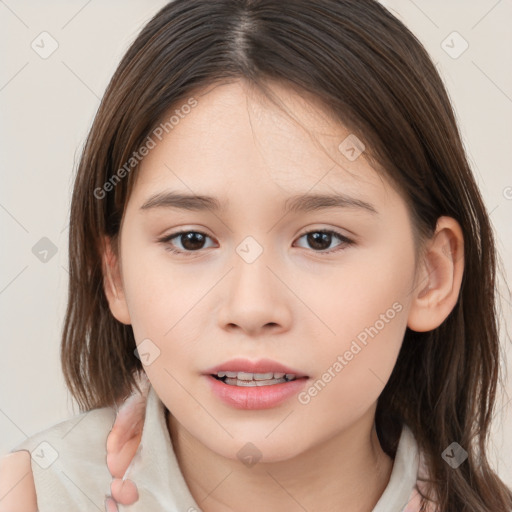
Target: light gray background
[{"x": 47, "y": 106}]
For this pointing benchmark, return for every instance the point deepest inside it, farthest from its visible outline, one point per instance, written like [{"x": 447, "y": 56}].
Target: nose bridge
[
  {"x": 254, "y": 297},
  {"x": 252, "y": 277}
]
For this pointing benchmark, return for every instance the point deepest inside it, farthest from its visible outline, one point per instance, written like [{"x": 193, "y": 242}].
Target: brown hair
[{"x": 371, "y": 73}]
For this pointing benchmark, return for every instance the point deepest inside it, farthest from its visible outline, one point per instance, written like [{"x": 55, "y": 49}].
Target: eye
[
  {"x": 322, "y": 239},
  {"x": 193, "y": 241}
]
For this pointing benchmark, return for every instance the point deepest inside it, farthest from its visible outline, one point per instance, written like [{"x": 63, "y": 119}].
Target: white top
[{"x": 70, "y": 470}]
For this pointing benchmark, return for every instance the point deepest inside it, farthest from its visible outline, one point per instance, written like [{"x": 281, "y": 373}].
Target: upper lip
[{"x": 260, "y": 366}]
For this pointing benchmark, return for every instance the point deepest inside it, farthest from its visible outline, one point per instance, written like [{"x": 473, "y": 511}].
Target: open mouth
[{"x": 245, "y": 379}]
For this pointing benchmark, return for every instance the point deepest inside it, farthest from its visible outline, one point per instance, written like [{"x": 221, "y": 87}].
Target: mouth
[
  {"x": 242, "y": 372},
  {"x": 252, "y": 385},
  {"x": 246, "y": 379}
]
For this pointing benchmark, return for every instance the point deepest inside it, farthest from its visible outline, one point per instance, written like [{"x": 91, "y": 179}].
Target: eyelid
[{"x": 345, "y": 241}]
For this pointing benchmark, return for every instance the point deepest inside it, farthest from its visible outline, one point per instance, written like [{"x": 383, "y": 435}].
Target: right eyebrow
[{"x": 171, "y": 199}]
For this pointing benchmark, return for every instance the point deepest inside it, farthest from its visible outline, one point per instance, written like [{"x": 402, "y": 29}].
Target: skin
[
  {"x": 293, "y": 304},
  {"x": 122, "y": 443},
  {"x": 245, "y": 151}
]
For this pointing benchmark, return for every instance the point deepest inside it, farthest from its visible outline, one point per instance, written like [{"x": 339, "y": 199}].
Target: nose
[{"x": 255, "y": 299}]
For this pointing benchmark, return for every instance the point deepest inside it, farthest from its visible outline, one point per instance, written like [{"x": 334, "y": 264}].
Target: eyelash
[{"x": 345, "y": 242}]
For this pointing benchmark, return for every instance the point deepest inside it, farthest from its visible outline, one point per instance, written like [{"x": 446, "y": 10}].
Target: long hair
[{"x": 375, "y": 77}]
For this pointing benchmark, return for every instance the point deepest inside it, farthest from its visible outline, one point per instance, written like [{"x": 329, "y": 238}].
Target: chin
[{"x": 262, "y": 451}]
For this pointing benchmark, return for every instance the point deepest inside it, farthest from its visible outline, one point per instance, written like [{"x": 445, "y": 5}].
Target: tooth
[
  {"x": 253, "y": 383},
  {"x": 246, "y": 383},
  {"x": 269, "y": 382},
  {"x": 263, "y": 376},
  {"x": 246, "y": 376}
]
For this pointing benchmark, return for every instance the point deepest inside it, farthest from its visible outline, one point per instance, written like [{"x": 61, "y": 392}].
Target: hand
[{"x": 122, "y": 444}]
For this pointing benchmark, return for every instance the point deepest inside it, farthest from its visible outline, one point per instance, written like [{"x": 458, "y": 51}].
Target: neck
[{"x": 349, "y": 468}]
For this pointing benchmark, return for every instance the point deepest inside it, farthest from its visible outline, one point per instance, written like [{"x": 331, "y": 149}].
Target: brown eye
[
  {"x": 321, "y": 240},
  {"x": 190, "y": 241}
]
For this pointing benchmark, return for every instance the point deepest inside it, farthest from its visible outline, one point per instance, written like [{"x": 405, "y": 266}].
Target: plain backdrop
[{"x": 48, "y": 104}]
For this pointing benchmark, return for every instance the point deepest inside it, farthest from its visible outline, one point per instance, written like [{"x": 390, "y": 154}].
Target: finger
[
  {"x": 129, "y": 422},
  {"x": 124, "y": 491},
  {"x": 110, "y": 505},
  {"x": 118, "y": 463},
  {"x": 124, "y": 438}
]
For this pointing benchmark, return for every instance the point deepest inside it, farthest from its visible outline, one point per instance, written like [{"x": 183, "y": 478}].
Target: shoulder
[
  {"x": 78, "y": 434},
  {"x": 17, "y": 489},
  {"x": 65, "y": 464}
]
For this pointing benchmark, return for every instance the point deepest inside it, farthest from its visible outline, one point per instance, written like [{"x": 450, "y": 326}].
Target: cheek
[
  {"x": 156, "y": 290},
  {"x": 353, "y": 367},
  {"x": 365, "y": 308},
  {"x": 161, "y": 302},
  {"x": 164, "y": 305}
]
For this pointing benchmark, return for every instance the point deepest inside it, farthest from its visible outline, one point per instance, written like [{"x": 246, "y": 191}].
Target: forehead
[{"x": 237, "y": 141}]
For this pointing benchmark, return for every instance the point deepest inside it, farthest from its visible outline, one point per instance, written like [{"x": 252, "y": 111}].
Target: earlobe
[
  {"x": 112, "y": 283},
  {"x": 439, "y": 280}
]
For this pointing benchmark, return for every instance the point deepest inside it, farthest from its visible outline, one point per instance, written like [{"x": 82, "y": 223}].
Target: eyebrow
[{"x": 297, "y": 203}]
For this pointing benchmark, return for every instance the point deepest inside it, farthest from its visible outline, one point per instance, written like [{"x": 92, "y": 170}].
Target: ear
[
  {"x": 439, "y": 277},
  {"x": 112, "y": 282}
]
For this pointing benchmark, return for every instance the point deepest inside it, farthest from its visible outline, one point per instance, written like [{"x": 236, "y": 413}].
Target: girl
[{"x": 274, "y": 220}]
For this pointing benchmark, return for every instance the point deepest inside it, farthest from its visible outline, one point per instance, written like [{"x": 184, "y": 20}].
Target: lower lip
[{"x": 255, "y": 397}]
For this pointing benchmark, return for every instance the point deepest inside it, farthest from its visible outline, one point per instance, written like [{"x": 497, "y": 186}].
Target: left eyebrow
[
  {"x": 313, "y": 202},
  {"x": 297, "y": 203}
]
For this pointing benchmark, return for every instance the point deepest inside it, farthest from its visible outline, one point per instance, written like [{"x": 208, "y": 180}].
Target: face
[{"x": 319, "y": 286}]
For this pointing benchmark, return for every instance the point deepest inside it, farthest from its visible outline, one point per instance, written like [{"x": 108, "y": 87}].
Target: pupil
[
  {"x": 319, "y": 240},
  {"x": 188, "y": 241}
]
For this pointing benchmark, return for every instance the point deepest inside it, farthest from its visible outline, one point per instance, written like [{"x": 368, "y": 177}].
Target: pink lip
[
  {"x": 255, "y": 397},
  {"x": 260, "y": 366}
]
